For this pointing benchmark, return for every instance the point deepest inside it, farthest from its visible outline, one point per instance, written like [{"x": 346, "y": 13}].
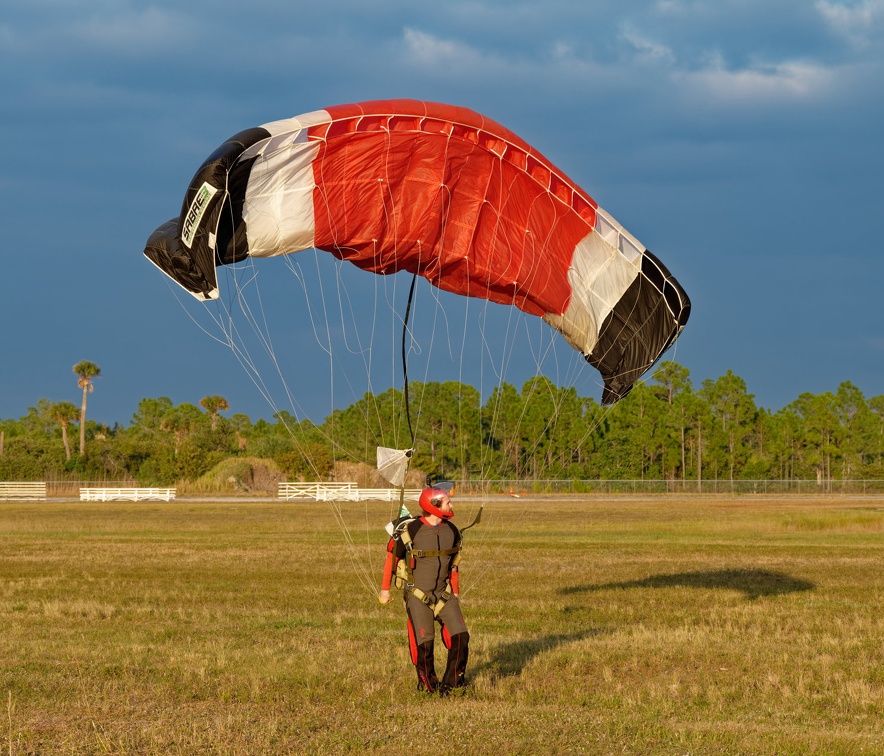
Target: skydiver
[{"x": 423, "y": 553}]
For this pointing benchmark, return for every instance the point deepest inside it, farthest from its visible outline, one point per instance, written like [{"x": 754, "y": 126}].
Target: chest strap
[
  {"x": 405, "y": 536},
  {"x": 421, "y": 553}
]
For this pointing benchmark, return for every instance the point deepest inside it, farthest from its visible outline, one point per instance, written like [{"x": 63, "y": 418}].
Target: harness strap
[
  {"x": 422, "y": 553},
  {"x": 438, "y": 606},
  {"x": 405, "y": 536},
  {"x": 407, "y": 578}
]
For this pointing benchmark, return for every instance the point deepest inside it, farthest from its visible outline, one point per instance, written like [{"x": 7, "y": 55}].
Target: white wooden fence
[
  {"x": 387, "y": 494},
  {"x": 317, "y": 491},
  {"x": 20, "y": 491},
  {"x": 321, "y": 491},
  {"x": 127, "y": 494}
]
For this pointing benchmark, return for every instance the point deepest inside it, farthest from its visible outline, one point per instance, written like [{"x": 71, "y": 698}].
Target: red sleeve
[{"x": 389, "y": 566}]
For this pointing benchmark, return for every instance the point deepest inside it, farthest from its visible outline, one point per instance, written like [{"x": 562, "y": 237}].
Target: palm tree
[
  {"x": 213, "y": 405},
  {"x": 86, "y": 371},
  {"x": 179, "y": 422},
  {"x": 65, "y": 413}
]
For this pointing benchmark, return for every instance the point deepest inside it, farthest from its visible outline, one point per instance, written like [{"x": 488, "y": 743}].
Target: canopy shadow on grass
[
  {"x": 510, "y": 658},
  {"x": 753, "y": 583}
]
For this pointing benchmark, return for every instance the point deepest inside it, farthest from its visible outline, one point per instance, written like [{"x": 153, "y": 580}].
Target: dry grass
[{"x": 668, "y": 626}]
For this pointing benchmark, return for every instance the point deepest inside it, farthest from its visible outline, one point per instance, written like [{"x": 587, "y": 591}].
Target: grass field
[{"x": 617, "y": 625}]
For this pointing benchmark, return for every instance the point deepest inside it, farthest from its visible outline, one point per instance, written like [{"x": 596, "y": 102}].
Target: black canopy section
[
  {"x": 185, "y": 248},
  {"x": 164, "y": 249},
  {"x": 649, "y": 316}
]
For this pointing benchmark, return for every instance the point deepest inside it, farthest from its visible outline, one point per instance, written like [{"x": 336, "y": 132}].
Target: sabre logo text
[{"x": 195, "y": 213}]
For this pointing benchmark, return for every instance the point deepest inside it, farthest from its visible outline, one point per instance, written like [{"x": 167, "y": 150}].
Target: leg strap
[{"x": 437, "y": 606}]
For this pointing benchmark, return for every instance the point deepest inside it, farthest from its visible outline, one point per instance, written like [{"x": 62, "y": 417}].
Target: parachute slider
[{"x": 393, "y": 464}]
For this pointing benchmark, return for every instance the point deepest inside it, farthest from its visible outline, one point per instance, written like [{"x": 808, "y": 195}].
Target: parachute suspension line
[
  {"x": 331, "y": 359},
  {"x": 321, "y": 326},
  {"x": 505, "y": 359},
  {"x": 499, "y": 354},
  {"x": 325, "y": 345},
  {"x": 361, "y": 565},
  {"x": 320, "y": 319},
  {"x": 328, "y": 336},
  {"x": 242, "y": 356},
  {"x": 405, "y": 359},
  {"x": 371, "y": 408},
  {"x": 237, "y": 344},
  {"x": 240, "y": 351},
  {"x": 390, "y": 220},
  {"x": 264, "y": 338},
  {"x": 508, "y": 342}
]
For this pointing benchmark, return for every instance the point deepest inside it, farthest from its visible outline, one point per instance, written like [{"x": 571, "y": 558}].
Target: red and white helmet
[{"x": 429, "y": 502}]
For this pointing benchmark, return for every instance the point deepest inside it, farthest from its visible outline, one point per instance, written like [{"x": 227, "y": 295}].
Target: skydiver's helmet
[{"x": 429, "y": 501}]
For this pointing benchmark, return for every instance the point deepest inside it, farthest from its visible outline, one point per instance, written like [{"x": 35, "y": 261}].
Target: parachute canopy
[{"x": 441, "y": 192}]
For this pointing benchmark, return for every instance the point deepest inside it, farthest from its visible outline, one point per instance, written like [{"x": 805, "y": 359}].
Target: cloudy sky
[{"x": 740, "y": 140}]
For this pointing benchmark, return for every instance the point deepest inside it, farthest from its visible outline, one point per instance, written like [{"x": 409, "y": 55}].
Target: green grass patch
[{"x": 598, "y": 626}]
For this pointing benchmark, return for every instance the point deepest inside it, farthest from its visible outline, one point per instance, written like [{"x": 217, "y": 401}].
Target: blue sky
[{"x": 740, "y": 140}]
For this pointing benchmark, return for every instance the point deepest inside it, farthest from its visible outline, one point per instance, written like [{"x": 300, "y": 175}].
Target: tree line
[{"x": 666, "y": 429}]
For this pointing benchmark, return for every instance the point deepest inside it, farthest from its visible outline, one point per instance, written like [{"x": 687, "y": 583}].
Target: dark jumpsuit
[{"x": 431, "y": 575}]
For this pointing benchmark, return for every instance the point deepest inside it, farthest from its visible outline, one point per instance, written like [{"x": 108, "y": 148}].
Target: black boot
[
  {"x": 455, "y": 670},
  {"x": 426, "y": 668}
]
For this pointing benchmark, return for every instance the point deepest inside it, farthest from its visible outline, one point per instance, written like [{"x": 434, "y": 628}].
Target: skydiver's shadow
[
  {"x": 510, "y": 658},
  {"x": 754, "y": 584}
]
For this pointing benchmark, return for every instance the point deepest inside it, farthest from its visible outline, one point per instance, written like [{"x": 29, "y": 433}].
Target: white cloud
[
  {"x": 431, "y": 50},
  {"x": 93, "y": 34},
  {"x": 858, "y": 23},
  {"x": 563, "y": 50},
  {"x": 455, "y": 60},
  {"x": 677, "y": 7},
  {"x": 850, "y": 16},
  {"x": 721, "y": 71},
  {"x": 643, "y": 61},
  {"x": 151, "y": 29},
  {"x": 761, "y": 82},
  {"x": 650, "y": 51}
]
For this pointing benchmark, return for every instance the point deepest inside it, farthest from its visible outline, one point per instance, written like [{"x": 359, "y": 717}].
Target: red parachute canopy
[{"x": 441, "y": 192}]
